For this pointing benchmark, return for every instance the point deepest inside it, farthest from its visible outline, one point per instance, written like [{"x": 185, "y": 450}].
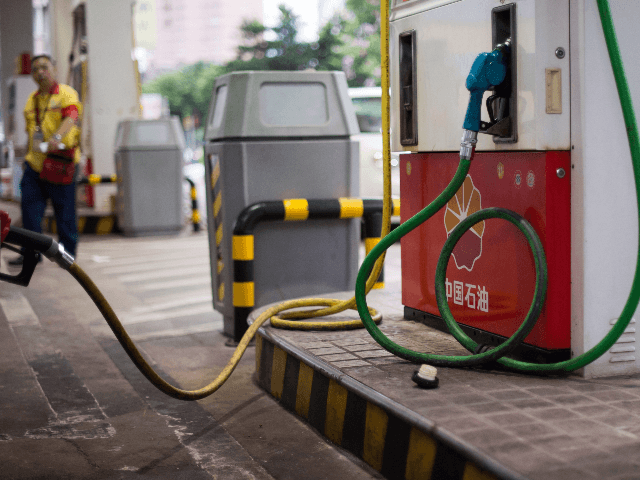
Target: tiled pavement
[
  {"x": 540, "y": 427},
  {"x": 543, "y": 428}
]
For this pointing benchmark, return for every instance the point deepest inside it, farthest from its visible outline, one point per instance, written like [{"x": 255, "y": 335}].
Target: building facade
[{"x": 188, "y": 31}]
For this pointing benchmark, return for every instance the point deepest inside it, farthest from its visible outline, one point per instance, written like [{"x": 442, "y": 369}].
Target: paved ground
[
  {"x": 73, "y": 406},
  {"x": 561, "y": 428}
]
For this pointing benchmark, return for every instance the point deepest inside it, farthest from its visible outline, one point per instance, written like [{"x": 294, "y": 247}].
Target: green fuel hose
[{"x": 566, "y": 366}]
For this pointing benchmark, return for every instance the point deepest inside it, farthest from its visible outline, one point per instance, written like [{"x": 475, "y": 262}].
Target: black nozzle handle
[{"x": 29, "y": 240}]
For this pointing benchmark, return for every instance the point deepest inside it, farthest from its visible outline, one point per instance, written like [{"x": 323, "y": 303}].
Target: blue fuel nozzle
[{"x": 488, "y": 70}]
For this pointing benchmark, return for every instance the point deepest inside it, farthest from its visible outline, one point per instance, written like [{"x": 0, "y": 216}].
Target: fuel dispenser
[{"x": 551, "y": 147}]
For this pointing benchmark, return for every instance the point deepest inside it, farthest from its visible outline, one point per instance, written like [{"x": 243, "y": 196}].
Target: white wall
[
  {"x": 603, "y": 200},
  {"x": 16, "y": 36},
  {"x": 112, "y": 84},
  {"x": 61, "y": 36}
]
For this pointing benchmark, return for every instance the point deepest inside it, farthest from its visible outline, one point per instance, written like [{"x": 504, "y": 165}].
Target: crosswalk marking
[
  {"x": 120, "y": 259},
  {"x": 171, "y": 284},
  {"x": 156, "y": 244},
  {"x": 147, "y": 266},
  {"x": 164, "y": 273},
  {"x": 153, "y": 299},
  {"x": 175, "y": 332},
  {"x": 18, "y": 311},
  {"x": 132, "y": 319},
  {"x": 181, "y": 301},
  {"x": 170, "y": 277}
]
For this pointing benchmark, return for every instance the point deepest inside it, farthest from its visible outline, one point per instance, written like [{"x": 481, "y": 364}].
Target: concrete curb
[{"x": 394, "y": 440}]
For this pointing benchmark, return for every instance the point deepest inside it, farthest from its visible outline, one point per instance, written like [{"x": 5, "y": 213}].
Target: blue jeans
[{"x": 35, "y": 193}]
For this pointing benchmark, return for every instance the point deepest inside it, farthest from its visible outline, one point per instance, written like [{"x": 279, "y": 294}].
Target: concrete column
[
  {"x": 61, "y": 36},
  {"x": 113, "y": 92},
  {"x": 16, "y": 36}
]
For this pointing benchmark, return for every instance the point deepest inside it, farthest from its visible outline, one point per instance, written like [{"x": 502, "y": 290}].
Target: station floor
[
  {"x": 73, "y": 406},
  {"x": 477, "y": 424},
  {"x": 300, "y": 405}
]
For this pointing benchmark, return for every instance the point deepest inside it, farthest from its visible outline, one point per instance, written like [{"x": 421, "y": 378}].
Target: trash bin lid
[
  {"x": 160, "y": 134},
  {"x": 280, "y": 104}
]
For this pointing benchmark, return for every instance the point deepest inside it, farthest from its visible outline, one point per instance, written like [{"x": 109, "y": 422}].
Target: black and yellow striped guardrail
[
  {"x": 296, "y": 209},
  {"x": 395, "y": 441},
  {"x": 216, "y": 226},
  {"x": 195, "y": 213},
  {"x": 95, "y": 179}
]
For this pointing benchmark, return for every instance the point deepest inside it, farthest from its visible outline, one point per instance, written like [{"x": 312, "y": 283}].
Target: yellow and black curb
[
  {"x": 395, "y": 441},
  {"x": 296, "y": 209}
]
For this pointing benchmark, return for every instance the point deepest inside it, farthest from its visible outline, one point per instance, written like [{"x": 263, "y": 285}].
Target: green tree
[
  {"x": 357, "y": 30},
  {"x": 350, "y": 42},
  {"x": 282, "y": 53},
  {"x": 187, "y": 90}
]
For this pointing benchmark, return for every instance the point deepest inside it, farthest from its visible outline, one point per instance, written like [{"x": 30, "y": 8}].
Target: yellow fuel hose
[
  {"x": 146, "y": 369},
  {"x": 327, "y": 306}
]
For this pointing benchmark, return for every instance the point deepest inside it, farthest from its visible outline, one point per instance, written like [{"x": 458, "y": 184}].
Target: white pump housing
[{"x": 566, "y": 100}]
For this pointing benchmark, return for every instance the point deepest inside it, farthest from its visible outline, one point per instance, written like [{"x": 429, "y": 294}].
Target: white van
[{"x": 368, "y": 106}]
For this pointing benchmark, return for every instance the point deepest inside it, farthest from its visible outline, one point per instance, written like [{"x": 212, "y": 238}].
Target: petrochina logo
[{"x": 465, "y": 202}]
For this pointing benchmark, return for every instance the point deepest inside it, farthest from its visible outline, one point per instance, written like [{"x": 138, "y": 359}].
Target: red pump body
[
  {"x": 490, "y": 276},
  {"x": 5, "y": 225}
]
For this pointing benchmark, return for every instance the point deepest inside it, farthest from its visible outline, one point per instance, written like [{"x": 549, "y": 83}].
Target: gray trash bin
[
  {"x": 275, "y": 136},
  {"x": 149, "y": 159}
]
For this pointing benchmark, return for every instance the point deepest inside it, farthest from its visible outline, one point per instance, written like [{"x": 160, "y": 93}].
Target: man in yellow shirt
[{"x": 51, "y": 114}]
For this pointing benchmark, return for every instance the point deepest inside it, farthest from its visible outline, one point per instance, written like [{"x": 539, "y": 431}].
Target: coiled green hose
[{"x": 566, "y": 366}]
